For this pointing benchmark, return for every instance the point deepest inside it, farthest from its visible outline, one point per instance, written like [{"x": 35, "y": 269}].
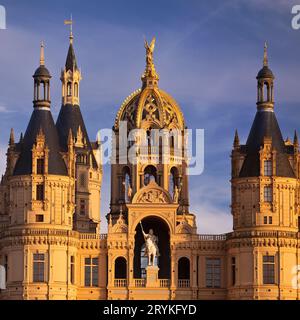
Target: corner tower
[
  {"x": 265, "y": 204},
  {"x": 71, "y": 129},
  {"x": 37, "y": 198}
]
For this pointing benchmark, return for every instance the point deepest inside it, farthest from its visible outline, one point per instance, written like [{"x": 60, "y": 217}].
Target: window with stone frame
[
  {"x": 91, "y": 272},
  {"x": 268, "y": 168},
  {"x": 213, "y": 272},
  {"x": 268, "y": 194},
  {"x": 268, "y": 269}
]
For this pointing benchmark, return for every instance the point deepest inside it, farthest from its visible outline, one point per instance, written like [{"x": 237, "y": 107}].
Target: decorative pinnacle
[
  {"x": 265, "y": 54},
  {"x": 12, "y": 137},
  {"x": 150, "y": 72},
  {"x": 296, "y": 141},
  {"x": 236, "y": 141},
  {"x": 42, "y": 55}
]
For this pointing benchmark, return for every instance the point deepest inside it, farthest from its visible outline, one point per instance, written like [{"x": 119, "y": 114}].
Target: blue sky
[{"x": 207, "y": 55}]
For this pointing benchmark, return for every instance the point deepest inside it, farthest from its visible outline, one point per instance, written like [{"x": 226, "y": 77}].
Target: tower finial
[
  {"x": 150, "y": 72},
  {"x": 265, "y": 54},
  {"x": 70, "y": 23},
  {"x": 42, "y": 55}
]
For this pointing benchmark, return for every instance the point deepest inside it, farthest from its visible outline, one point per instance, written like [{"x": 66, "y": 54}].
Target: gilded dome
[{"x": 150, "y": 107}]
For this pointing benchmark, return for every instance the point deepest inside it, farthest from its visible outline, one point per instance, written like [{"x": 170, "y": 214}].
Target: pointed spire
[
  {"x": 296, "y": 141},
  {"x": 12, "y": 137},
  {"x": 150, "y": 75},
  {"x": 21, "y": 137},
  {"x": 265, "y": 62},
  {"x": 42, "y": 54},
  {"x": 71, "y": 63},
  {"x": 236, "y": 141}
]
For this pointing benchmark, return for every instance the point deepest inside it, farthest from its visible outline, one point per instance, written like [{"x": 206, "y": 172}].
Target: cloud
[{"x": 212, "y": 221}]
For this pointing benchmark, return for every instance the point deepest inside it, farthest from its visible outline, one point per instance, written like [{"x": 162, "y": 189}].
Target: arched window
[
  {"x": 266, "y": 92},
  {"x": 126, "y": 185},
  {"x": 173, "y": 180},
  {"x": 76, "y": 89},
  {"x": 69, "y": 89},
  {"x": 149, "y": 138},
  {"x": 120, "y": 268},
  {"x": 150, "y": 174},
  {"x": 183, "y": 273}
]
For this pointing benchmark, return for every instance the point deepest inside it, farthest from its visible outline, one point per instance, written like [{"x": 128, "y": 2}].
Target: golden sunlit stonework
[{"x": 50, "y": 241}]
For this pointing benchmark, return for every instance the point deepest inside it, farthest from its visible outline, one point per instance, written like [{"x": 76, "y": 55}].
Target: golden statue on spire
[{"x": 150, "y": 71}]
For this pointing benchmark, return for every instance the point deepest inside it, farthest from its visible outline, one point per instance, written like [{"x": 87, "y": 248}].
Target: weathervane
[{"x": 70, "y": 23}]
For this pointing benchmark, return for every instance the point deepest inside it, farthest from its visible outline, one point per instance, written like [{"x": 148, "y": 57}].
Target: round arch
[
  {"x": 120, "y": 268},
  {"x": 162, "y": 230},
  {"x": 184, "y": 268}
]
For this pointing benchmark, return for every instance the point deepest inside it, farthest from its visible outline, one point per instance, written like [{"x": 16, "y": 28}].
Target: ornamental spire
[
  {"x": 265, "y": 54},
  {"x": 150, "y": 76},
  {"x": 236, "y": 141}
]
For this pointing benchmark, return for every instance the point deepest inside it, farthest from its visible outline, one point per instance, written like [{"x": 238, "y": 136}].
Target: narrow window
[
  {"x": 76, "y": 89},
  {"x": 233, "y": 271},
  {"x": 268, "y": 194},
  {"x": 40, "y": 163},
  {"x": 6, "y": 267},
  {"x": 69, "y": 89},
  {"x": 38, "y": 267},
  {"x": 40, "y": 192},
  {"x": 270, "y": 220},
  {"x": 72, "y": 270},
  {"x": 82, "y": 207},
  {"x": 265, "y": 220},
  {"x": 91, "y": 272},
  {"x": 268, "y": 168},
  {"x": 269, "y": 269},
  {"x": 82, "y": 180},
  {"x": 213, "y": 272}
]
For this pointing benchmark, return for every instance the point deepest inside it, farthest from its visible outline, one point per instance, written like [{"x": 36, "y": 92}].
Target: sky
[{"x": 207, "y": 55}]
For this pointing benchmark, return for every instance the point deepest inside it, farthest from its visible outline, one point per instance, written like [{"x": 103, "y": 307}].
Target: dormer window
[
  {"x": 268, "y": 168},
  {"x": 40, "y": 166},
  {"x": 40, "y": 192},
  {"x": 268, "y": 196}
]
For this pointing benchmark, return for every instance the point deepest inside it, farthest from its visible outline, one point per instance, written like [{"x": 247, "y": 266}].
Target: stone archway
[{"x": 161, "y": 229}]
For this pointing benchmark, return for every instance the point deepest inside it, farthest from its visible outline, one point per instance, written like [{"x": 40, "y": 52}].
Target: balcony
[
  {"x": 140, "y": 283},
  {"x": 120, "y": 283},
  {"x": 183, "y": 283}
]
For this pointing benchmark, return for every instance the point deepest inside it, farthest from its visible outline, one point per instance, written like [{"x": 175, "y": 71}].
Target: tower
[
  {"x": 264, "y": 202},
  {"x": 70, "y": 126},
  {"x": 38, "y": 204},
  {"x": 149, "y": 185}
]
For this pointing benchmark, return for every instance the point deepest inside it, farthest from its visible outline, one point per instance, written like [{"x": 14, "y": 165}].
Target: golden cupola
[{"x": 150, "y": 107}]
